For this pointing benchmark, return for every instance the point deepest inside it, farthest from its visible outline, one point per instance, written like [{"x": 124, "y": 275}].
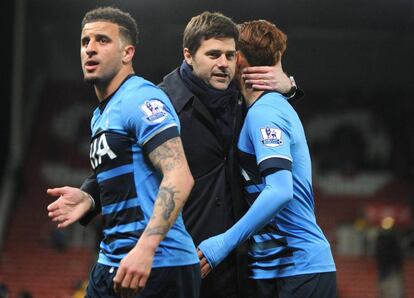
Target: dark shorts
[
  {"x": 318, "y": 285},
  {"x": 167, "y": 282}
]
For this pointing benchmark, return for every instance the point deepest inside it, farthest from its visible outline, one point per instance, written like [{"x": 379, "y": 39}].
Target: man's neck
[
  {"x": 250, "y": 95},
  {"x": 105, "y": 90}
]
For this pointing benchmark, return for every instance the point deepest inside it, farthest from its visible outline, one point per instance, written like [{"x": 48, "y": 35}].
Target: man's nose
[
  {"x": 91, "y": 47},
  {"x": 222, "y": 61}
]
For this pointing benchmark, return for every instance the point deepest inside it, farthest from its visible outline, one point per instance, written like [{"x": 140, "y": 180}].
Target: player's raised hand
[{"x": 71, "y": 205}]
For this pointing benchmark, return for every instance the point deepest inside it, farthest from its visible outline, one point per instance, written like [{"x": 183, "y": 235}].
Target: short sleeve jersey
[
  {"x": 135, "y": 120},
  {"x": 272, "y": 138}
]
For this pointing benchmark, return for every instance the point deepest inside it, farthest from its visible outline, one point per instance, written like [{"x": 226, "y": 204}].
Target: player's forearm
[
  {"x": 175, "y": 187},
  {"x": 174, "y": 190},
  {"x": 275, "y": 195}
]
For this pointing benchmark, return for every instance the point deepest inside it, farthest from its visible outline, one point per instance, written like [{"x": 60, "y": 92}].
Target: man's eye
[
  {"x": 214, "y": 55},
  {"x": 230, "y": 56}
]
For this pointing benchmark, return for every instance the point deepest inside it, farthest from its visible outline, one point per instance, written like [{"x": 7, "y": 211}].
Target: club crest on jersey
[
  {"x": 271, "y": 137},
  {"x": 154, "y": 111}
]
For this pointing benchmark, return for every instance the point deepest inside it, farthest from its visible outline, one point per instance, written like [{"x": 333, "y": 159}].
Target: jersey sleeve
[
  {"x": 91, "y": 187},
  {"x": 270, "y": 133},
  {"x": 151, "y": 120}
]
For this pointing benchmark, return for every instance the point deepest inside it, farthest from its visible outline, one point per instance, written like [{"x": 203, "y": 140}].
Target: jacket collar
[{"x": 180, "y": 95}]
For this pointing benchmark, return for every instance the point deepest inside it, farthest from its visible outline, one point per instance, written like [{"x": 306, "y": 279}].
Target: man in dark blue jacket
[{"x": 209, "y": 106}]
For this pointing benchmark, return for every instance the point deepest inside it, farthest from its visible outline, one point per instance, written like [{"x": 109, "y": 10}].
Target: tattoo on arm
[
  {"x": 160, "y": 230},
  {"x": 166, "y": 203},
  {"x": 167, "y": 158},
  {"x": 166, "y": 200},
  {"x": 168, "y": 155}
]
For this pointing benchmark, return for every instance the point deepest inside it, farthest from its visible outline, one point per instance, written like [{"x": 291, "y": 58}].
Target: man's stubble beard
[{"x": 92, "y": 81}]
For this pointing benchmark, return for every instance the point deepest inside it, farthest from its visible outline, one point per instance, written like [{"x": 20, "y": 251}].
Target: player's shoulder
[
  {"x": 139, "y": 97},
  {"x": 276, "y": 104},
  {"x": 268, "y": 105},
  {"x": 139, "y": 89},
  {"x": 274, "y": 101}
]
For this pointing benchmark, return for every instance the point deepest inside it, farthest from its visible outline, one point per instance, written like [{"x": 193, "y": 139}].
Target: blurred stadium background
[{"x": 354, "y": 60}]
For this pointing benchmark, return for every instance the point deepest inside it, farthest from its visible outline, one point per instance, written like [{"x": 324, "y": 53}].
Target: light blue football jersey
[
  {"x": 273, "y": 138},
  {"x": 136, "y": 119}
]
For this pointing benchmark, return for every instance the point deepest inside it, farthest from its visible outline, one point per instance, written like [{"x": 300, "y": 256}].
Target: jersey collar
[{"x": 103, "y": 103}]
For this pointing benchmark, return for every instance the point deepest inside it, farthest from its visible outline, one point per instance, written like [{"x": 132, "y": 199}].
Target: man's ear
[
  {"x": 129, "y": 52},
  {"x": 187, "y": 56},
  {"x": 241, "y": 61}
]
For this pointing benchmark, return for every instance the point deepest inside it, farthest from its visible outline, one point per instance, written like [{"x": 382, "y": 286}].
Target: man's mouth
[
  {"x": 220, "y": 75},
  {"x": 91, "y": 65}
]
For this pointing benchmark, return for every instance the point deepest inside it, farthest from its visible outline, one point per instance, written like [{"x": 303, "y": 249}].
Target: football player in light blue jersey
[
  {"x": 141, "y": 171},
  {"x": 289, "y": 254}
]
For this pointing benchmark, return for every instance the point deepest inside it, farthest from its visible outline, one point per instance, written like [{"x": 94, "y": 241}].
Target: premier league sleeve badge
[
  {"x": 154, "y": 111},
  {"x": 271, "y": 136}
]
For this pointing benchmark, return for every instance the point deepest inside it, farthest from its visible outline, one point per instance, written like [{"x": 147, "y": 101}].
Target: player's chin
[{"x": 91, "y": 79}]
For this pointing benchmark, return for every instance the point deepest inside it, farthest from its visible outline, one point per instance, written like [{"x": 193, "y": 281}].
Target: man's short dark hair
[
  {"x": 208, "y": 25},
  {"x": 127, "y": 25}
]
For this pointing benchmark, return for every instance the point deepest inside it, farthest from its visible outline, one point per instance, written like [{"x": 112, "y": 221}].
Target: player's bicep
[
  {"x": 168, "y": 156},
  {"x": 270, "y": 139}
]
